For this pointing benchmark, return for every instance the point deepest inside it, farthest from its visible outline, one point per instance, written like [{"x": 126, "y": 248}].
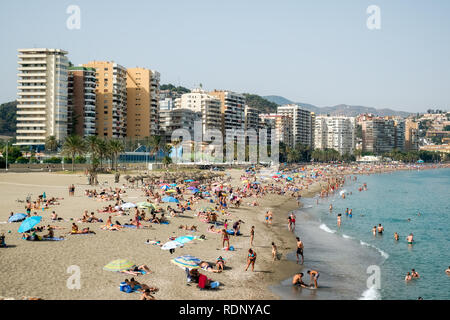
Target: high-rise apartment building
[
  {"x": 278, "y": 125},
  {"x": 379, "y": 135},
  {"x": 411, "y": 135},
  {"x": 111, "y": 99},
  {"x": 81, "y": 101},
  {"x": 207, "y": 105},
  {"x": 142, "y": 102},
  {"x": 251, "y": 118},
  {"x": 335, "y": 133},
  {"x": 232, "y": 109},
  {"x": 42, "y": 96},
  {"x": 302, "y": 123},
  {"x": 399, "y": 141},
  {"x": 171, "y": 120}
]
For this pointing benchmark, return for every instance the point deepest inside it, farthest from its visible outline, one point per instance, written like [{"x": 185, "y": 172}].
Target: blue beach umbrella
[
  {"x": 170, "y": 199},
  {"x": 189, "y": 180},
  {"x": 17, "y": 217},
  {"x": 29, "y": 223},
  {"x": 184, "y": 239},
  {"x": 194, "y": 190}
]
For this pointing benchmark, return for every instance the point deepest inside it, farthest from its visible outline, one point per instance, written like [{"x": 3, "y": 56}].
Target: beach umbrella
[
  {"x": 119, "y": 265},
  {"x": 145, "y": 205},
  {"x": 184, "y": 239},
  {"x": 128, "y": 205},
  {"x": 187, "y": 261},
  {"x": 194, "y": 190},
  {"x": 171, "y": 245},
  {"x": 170, "y": 191},
  {"x": 170, "y": 199},
  {"x": 29, "y": 223},
  {"x": 189, "y": 180},
  {"x": 17, "y": 217},
  {"x": 165, "y": 187},
  {"x": 173, "y": 184}
]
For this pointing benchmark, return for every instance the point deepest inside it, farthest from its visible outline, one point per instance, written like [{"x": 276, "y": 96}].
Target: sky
[{"x": 312, "y": 51}]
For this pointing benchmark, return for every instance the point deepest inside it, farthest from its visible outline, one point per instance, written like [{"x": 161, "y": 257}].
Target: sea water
[{"x": 347, "y": 256}]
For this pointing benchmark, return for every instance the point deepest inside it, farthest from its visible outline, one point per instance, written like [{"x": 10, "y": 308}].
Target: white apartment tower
[
  {"x": 335, "y": 133},
  {"x": 302, "y": 123},
  {"x": 42, "y": 96},
  {"x": 208, "y": 106}
]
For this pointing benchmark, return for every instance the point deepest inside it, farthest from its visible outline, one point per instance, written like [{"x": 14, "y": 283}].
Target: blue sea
[{"x": 349, "y": 257}]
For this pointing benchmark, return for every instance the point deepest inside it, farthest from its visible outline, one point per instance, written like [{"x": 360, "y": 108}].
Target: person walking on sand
[
  {"x": 225, "y": 238},
  {"x": 314, "y": 276},
  {"x": 252, "y": 235},
  {"x": 293, "y": 220},
  {"x": 251, "y": 258},
  {"x": 299, "y": 249},
  {"x": 274, "y": 252}
]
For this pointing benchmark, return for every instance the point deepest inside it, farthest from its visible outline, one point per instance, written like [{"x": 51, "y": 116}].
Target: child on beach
[{"x": 274, "y": 252}]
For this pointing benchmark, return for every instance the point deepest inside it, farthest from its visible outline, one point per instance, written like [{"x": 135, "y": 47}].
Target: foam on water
[
  {"x": 383, "y": 254},
  {"x": 324, "y": 227},
  {"x": 347, "y": 237},
  {"x": 371, "y": 294}
]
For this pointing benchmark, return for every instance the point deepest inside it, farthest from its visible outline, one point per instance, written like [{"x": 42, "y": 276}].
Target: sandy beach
[{"x": 39, "y": 269}]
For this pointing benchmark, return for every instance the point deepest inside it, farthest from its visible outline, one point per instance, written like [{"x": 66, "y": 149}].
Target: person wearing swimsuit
[
  {"x": 251, "y": 258},
  {"x": 380, "y": 229},
  {"x": 225, "y": 238},
  {"x": 299, "y": 249},
  {"x": 314, "y": 277}
]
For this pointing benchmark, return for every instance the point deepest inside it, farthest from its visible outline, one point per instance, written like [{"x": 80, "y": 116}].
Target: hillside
[
  {"x": 341, "y": 109},
  {"x": 8, "y": 118},
  {"x": 259, "y": 103}
]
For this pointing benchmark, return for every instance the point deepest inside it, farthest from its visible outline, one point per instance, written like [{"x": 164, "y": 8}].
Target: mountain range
[{"x": 340, "y": 109}]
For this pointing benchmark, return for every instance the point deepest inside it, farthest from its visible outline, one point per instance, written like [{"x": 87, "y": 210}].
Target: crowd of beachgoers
[{"x": 205, "y": 207}]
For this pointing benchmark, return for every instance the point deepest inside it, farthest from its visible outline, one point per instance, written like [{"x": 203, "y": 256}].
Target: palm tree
[
  {"x": 72, "y": 146},
  {"x": 175, "y": 144},
  {"x": 115, "y": 147},
  {"x": 166, "y": 149},
  {"x": 51, "y": 144},
  {"x": 155, "y": 144}
]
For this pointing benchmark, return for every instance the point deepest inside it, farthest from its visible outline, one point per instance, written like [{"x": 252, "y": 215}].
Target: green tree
[
  {"x": 115, "y": 148},
  {"x": 51, "y": 144},
  {"x": 155, "y": 144},
  {"x": 72, "y": 146}
]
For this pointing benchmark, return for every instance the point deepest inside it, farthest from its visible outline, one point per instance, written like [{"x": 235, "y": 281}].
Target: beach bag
[
  {"x": 215, "y": 284},
  {"x": 202, "y": 281},
  {"x": 123, "y": 287}
]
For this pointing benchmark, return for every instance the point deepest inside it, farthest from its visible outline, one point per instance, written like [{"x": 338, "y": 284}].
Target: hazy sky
[{"x": 316, "y": 51}]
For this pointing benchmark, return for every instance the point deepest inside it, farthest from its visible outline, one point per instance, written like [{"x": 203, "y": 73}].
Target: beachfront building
[
  {"x": 208, "y": 106},
  {"x": 251, "y": 118},
  {"x": 399, "y": 139},
  {"x": 302, "y": 123},
  {"x": 378, "y": 135},
  {"x": 173, "y": 119},
  {"x": 81, "y": 101},
  {"x": 411, "y": 135},
  {"x": 335, "y": 133},
  {"x": 142, "y": 102},
  {"x": 280, "y": 125},
  {"x": 111, "y": 99},
  {"x": 231, "y": 108},
  {"x": 41, "y": 96},
  {"x": 166, "y": 104}
]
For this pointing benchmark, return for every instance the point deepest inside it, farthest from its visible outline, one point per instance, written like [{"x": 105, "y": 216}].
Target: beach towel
[{"x": 232, "y": 232}]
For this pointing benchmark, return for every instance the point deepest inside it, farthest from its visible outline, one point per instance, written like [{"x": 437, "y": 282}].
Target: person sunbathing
[
  {"x": 50, "y": 233},
  {"x": 137, "y": 270},
  {"x": 220, "y": 263},
  {"x": 205, "y": 266},
  {"x": 192, "y": 228},
  {"x": 213, "y": 229},
  {"x": 140, "y": 286},
  {"x": 93, "y": 218}
]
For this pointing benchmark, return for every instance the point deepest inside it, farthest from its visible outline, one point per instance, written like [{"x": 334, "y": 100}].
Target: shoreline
[{"x": 24, "y": 262}]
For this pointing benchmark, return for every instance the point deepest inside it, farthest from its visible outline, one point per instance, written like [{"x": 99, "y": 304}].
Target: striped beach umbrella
[
  {"x": 187, "y": 261},
  {"x": 119, "y": 265},
  {"x": 144, "y": 204},
  {"x": 17, "y": 217}
]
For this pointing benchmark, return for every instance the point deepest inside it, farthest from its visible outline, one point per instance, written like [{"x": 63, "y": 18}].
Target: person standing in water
[
  {"x": 396, "y": 236},
  {"x": 314, "y": 274},
  {"x": 299, "y": 249},
  {"x": 293, "y": 220},
  {"x": 331, "y": 207},
  {"x": 410, "y": 239},
  {"x": 380, "y": 229},
  {"x": 339, "y": 216},
  {"x": 374, "y": 231}
]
